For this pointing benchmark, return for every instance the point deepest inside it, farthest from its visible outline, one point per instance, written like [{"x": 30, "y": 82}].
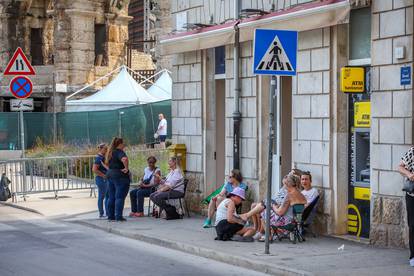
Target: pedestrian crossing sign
[{"x": 275, "y": 52}]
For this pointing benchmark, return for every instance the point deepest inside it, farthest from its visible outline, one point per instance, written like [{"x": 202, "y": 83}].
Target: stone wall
[
  {"x": 68, "y": 39},
  {"x": 186, "y": 117},
  {"x": 248, "y": 110},
  {"x": 311, "y": 112},
  {"x": 392, "y": 113}
]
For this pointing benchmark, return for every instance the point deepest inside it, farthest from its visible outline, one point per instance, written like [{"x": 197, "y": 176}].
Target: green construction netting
[{"x": 135, "y": 124}]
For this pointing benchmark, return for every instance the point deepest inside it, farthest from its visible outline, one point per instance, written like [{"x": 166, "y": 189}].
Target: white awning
[{"x": 303, "y": 17}]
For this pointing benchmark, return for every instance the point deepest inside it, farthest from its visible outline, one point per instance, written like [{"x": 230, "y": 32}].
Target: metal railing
[
  {"x": 49, "y": 174},
  {"x": 65, "y": 173}
]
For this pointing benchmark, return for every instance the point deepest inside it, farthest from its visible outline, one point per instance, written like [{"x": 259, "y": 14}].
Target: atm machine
[{"x": 359, "y": 192}]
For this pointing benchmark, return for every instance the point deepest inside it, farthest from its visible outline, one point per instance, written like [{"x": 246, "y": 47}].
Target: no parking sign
[{"x": 21, "y": 87}]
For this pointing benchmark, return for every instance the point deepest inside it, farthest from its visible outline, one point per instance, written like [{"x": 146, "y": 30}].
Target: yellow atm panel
[{"x": 353, "y": 79}]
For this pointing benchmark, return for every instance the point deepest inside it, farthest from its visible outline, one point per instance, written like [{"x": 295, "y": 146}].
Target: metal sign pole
[
  {"x": 22, "y": 134},
  {"x": 272, "y": 95},
  {"x": 23, "y": 164}
]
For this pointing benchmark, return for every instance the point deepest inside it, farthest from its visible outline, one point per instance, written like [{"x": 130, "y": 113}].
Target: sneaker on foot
[
  {"x": 257, "y": 236},
  {"x": 121, "y": 219},
  {"x": 412, "y": 262},
  {"x": 207, "y": 223},
  {"x": 132, "y": 214}
]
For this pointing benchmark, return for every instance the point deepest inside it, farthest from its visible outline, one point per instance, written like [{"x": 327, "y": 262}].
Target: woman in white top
[
  {"x": 308, "y": 191},
  {"x": 228, "y": 223},
  {"x": 170, "y": 187},
  {"x": 147, "y": 186}
]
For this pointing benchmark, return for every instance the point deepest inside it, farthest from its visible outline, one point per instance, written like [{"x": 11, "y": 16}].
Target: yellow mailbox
[{"x": 179, "y": 151}]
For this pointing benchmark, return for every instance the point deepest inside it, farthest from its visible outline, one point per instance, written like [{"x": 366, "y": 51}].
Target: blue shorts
[{"x": 162, "y": 138}]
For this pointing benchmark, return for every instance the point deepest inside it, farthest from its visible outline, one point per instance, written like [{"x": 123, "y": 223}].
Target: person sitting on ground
[
  {"x": 169, "y": 187},
  {"x": 147, "y": 186},
  {"x": 282, "y": 214},
  {"x": 234, "y": 180},
  {"x": 308, "y": 191},
  {"x": 228, "y": 223}
]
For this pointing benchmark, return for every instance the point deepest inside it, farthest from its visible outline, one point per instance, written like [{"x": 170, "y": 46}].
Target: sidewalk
[
  {"x": 69, "y": 203},
  {"x": 316, "y": 256}
]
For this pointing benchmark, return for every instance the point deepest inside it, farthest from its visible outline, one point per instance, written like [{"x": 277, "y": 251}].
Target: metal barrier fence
[{"x": 54, "y": 174}]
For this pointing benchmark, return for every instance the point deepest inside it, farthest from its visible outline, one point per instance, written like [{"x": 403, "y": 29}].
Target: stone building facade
[
  {"x": 316, "y": 125},
  {"x": 76, "y": 41}
]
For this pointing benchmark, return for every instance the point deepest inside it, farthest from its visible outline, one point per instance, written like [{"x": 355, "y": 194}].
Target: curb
[
  {"x": 203, "y": 252},
  {"x": 21, "y": 208}
]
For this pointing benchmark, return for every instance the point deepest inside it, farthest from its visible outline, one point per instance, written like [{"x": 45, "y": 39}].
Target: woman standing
[
  {"x": 100, "y": 169},
  {"x": 147, "y": 186},
  {"x": 406, "y": 168},
  {"x": 118, "y": 179}
]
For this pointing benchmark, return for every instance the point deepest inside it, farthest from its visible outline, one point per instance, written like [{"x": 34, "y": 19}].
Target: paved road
[{"x": 32, "y": 245}]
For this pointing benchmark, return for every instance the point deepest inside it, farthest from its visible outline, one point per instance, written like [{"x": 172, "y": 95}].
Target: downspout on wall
[{"x": 236, "y": 111}]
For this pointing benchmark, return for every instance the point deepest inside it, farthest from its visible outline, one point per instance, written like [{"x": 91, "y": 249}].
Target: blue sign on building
[
  {"x": 405, "y": 77},
  {"x": 275, "y": 52}
]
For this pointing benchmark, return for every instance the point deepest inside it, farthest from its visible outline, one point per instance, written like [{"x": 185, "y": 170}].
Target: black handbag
[{"x": 408, "y": 186}]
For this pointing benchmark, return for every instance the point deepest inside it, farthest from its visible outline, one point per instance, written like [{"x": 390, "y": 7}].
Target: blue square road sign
[{"x": 275, "y": 52}]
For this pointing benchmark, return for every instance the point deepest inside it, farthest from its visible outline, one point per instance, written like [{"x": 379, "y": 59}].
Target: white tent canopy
[
  {"x": 122, "y": 91},
  {"x": 162, "y": 88}
]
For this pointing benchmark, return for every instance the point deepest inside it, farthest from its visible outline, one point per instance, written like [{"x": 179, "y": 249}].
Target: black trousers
[{"x": 409, "y": 200}]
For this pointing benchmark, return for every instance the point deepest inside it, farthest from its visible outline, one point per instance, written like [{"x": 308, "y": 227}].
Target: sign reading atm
[{"x": 353, "y": 79}]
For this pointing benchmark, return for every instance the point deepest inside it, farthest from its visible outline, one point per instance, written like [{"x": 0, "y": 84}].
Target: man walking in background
[{"x": 162, "y": 130}]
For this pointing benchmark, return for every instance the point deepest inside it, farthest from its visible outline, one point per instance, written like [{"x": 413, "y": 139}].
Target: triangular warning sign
[
  {"x": 19, "y": 65},
  {"x": 275, "y": 58}
]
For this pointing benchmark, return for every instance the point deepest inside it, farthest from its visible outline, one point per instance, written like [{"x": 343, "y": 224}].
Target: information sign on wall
[{"x": 353, "y": 79}]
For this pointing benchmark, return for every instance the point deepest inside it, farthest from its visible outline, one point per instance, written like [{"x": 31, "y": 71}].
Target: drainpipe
[{"x": 236, "y": 111}]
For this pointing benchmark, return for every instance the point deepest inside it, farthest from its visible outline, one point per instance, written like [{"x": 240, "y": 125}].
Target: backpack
[
  {"x": 171, "y": 213},
  {"x": 5, "y": 193}
]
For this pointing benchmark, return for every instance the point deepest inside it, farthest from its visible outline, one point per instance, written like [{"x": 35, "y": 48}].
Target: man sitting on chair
[{"x": 308, "y": 191}]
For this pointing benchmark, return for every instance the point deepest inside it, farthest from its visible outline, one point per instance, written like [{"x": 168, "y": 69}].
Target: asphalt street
[{"x": 33, "y": 245}]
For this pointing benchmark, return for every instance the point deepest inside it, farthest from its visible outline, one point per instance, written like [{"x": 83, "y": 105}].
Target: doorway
[
  {"x": 220, "y": 136},
  {"x": 282, "y": 144}
]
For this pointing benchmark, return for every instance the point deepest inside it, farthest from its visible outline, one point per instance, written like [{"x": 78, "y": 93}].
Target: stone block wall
[
  {"x": 392, "y": 118},
  {"x": 212, "y": 11},
  {"x": 248, "y": 110},
  {"x": 311, "y": 113},
  {"x": 186, "y": 118}
]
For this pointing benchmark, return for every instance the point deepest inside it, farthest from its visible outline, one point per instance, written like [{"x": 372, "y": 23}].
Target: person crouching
[{"x": 228, "y": 223}]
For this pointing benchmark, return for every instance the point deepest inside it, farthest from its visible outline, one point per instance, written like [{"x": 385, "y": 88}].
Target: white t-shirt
[
  {"x": 310, "y": 195},
  {"x": 148, "y": 173},
  {"x": 162, "y": 127}
]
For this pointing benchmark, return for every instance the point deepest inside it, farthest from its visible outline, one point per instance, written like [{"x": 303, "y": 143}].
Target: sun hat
[{"x": 238, "y": 192}]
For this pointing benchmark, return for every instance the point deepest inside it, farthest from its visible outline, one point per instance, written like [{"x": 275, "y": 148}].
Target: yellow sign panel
[
  {"x": 362, "y": 114},
  {"x": 353, "y": 79},
  {"x": 362, "y": 193}
]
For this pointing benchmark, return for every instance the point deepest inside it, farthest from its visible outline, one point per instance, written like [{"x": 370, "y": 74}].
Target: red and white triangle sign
[{"x": 19, "y": 65}]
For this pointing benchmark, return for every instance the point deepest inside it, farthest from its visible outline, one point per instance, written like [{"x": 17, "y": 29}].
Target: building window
[
  {"x": 100, "y": 43},
  {"x": 360, "y": 36},
  {"x": 220, "y": 60},
  {"x": 36, "y": 46}
]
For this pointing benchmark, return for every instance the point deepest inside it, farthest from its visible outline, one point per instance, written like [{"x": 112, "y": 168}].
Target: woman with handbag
[
  {"x": 118, "y": 179},
  {"x": 147, "y": 186},
  {"x": 406, "y": 168}
]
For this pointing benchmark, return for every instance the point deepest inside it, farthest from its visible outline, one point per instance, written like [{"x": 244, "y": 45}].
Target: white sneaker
[
  {"x": 257, "y": 236},
  {"x": 412, "y": 262}
]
